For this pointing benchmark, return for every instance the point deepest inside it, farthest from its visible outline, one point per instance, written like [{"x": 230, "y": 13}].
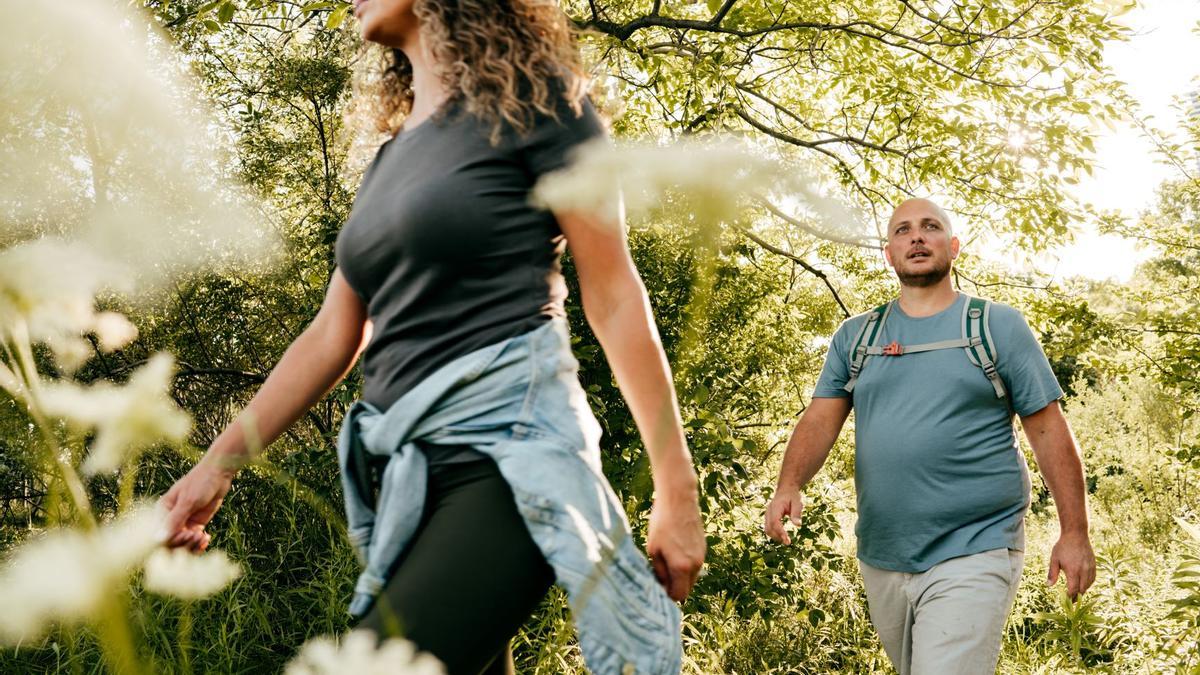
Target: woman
[{"x": 471, "y": 465}]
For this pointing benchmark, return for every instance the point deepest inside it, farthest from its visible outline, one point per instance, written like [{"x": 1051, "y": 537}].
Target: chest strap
[
  {"x": 976, "y": 340},
  {"x": 897, "y": 349}
]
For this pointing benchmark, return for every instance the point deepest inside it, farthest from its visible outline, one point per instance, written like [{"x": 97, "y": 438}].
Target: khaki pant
[{"x": 948, "y": 619}]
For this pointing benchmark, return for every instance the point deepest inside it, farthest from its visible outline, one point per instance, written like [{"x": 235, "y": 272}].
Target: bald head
[
  {"x": 913, "y": 210},
  {"x": 921, "y": 246}
]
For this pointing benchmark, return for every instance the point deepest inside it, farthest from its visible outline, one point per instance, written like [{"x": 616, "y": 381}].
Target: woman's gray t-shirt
[{"x": 445, "y": 248}]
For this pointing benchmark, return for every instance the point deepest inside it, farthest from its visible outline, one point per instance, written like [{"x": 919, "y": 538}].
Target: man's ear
[
  {"x": 887, "y": 255},
  {"x": 954, "y": 247}
]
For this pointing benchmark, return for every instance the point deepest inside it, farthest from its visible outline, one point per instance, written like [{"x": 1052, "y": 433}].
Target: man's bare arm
[
  {"x": 1058, "y": 459},
  {"x": 807, "y": 450}
]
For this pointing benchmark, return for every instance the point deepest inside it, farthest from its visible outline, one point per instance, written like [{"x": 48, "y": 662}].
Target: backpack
[{"x": 976, "y": 339}]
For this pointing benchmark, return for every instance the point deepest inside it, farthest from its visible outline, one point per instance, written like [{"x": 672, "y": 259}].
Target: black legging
[{"x": 471, "y": 576}]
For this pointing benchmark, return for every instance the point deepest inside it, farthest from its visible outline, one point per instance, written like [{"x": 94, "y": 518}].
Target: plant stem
[
  {"x": 116, "y": 638},
  {"x": 185, "y": 639},
  {"x": 22, "y": 357}
]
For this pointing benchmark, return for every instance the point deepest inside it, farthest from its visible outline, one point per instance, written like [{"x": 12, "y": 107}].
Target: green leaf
[
  {"x": 714, "y": 5},
  {"x": 1191, "y": 529},
  {"x": 208, "y": 7},
  {"x": 314, "y": 6},
  {"x": 336, "y": 17},
  {"x": 225, "y": 13}
]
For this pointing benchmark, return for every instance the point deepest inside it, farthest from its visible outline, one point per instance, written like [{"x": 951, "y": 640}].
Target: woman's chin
[{"x": 371, "y": 31}]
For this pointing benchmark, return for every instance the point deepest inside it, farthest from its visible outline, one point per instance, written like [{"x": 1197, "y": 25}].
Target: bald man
[{"x": 935, "y": 378}]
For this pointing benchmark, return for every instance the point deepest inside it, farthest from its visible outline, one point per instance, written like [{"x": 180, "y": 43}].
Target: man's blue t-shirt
[{"x": 938, "y": 470}]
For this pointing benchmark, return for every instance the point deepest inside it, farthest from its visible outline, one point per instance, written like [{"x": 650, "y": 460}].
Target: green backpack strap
[
  {"x": 981, "y": 349},
  {"x": 867, "y": 336}
]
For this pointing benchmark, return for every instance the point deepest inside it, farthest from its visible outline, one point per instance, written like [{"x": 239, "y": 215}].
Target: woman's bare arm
[
  {"x": 316, "y": 361},
  {"x": 618, "y": 310}
]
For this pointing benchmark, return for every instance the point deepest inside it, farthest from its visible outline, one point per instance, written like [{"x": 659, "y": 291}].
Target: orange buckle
[{"x": 894, "y": 349}]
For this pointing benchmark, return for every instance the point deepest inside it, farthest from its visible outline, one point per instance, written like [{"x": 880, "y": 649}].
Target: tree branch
[
  {"x": 795, "y": 222},
  {"x": 801, "y": 262}
]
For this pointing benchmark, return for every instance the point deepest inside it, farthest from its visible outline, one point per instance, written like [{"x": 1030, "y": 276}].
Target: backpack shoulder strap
[
  {"x": 866, "y": 338},
  {"x": 981, "y": 348}
]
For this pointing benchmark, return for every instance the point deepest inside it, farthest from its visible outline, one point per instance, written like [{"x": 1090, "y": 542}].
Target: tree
[
  {"x": 1158, "y": 311},
  {"x": 989, "y": 103}
]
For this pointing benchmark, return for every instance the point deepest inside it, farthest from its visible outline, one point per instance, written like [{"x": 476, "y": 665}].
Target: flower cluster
[
  {"x": 67, "y": 575},
  {"x": 105, "y": 142},
  {"x": 360, "y": 652},
  {"x": 718, "y": 179},
  {"x": 182, "y": 574},
  {"x": 126, "y": 418},
  {"x": 47, "y": 293},
  {"x": 112, "y": 187}
]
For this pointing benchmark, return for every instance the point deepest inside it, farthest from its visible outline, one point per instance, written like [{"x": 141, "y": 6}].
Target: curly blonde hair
[{"x": 507, "y": 60}]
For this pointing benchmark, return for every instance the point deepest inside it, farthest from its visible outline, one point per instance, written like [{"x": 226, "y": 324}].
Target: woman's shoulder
[
  {"x": 554, "y": 131},
  {"x": 558, "y": 104}
]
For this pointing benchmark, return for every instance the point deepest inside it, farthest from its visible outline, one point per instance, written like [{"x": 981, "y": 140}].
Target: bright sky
[{"x": 1160, "y": 63}]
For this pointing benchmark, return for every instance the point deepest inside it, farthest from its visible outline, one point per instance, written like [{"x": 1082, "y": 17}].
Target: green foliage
[
  {"x": 1187, "y": 579},
  {"x": 892, "y": 98},
  {"x": 1076, "y": 625}
]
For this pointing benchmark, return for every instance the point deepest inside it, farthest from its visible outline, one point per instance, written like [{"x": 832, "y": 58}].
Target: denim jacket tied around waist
[{"x": 520, "y": 402}]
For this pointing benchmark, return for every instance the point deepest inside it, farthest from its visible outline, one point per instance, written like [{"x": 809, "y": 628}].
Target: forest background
[{"x": 992, "y": 107}]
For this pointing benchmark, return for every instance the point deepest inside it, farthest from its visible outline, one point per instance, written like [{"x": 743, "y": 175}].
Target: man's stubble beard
[{"x": 924, "y": 279}]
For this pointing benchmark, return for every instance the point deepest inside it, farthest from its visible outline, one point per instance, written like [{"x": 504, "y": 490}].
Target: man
[{"x": 942, "y": 485}]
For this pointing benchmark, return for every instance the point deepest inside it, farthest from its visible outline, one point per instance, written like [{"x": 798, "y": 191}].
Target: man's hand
[
  {"x": 787, "y": 503},
  {"x": 1073, "y": 556},
  {"x": 675, "y": 543}
]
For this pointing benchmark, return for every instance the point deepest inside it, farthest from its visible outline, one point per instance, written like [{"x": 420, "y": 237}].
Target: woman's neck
[{"x": 429, "y": 91}]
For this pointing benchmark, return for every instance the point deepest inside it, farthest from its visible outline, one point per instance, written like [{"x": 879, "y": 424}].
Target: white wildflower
[
  {"x": 126, "y": 418},
  {"x": 719, "y": 180},
  {"x": 125, "y": 542},
  {"x": 189, "y": 576},
  {"x": 358, "y": 653},
  {"x": 113, "y": 330},
  {"x": 106, "y": 141},
  {"x": 718, "y": 175},
  {"x": 51, "y": 285},
  {"x": 70, "y": 351},
  {"x": 67, "y": 574}
]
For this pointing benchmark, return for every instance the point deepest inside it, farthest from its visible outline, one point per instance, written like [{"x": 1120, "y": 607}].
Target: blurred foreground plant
[
  {"x": 111, "y": 187},
  {"x": 357, "y": 652}
]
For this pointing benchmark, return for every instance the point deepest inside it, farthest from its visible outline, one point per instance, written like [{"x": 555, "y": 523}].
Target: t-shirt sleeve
[
  {"x": 836, "y": 371},
  {"x": 548, "y": 146},
  {"x": 1022, "y": 363}
]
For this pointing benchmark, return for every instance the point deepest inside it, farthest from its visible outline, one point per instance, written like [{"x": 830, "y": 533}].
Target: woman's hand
[
  {"x": 675, "y": 541},
  {"x": 191, "y": 504},
  {"x": 316, "y": 360}
]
